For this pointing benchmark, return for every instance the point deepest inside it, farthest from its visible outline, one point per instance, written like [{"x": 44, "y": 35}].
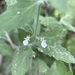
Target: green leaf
[
  {"x": 22, "y": 34},
  {"x": 58, "y": 68},
  {"x": 70, "y": 44},
  {"x": 6, "y": 64},
  {"x": 69, "y": 73},
  {"x": 22, "y": 61},
  {"x": 5, "y": 48},
  {"x": 54, "y": 31},
  {"x": 53, "y": 36},
  {"x": 18, "y": 15},
  {"x": 48, "y": 21},
  {"x": 39, "y": 67},
  {"x": 60, "y": 5},
  {"x": 42, "y": 66},
  {"x": 58, "y": 52},
  {"x": 67, "y": 24},
  {"x": 11, "y": 2}
]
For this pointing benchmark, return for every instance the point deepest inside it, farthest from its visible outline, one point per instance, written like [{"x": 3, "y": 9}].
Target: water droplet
[
  {"x": 18, "y": 12},
  {"x": 15, "y": 64}
]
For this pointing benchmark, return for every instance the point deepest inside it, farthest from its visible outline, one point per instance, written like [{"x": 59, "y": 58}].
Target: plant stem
[
  {"x": 37, "y": 22},
  {"x": 70, "y": 67},
  {"x": 9, "y": 40}
]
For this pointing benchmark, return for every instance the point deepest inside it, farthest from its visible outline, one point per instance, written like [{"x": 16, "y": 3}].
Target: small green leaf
[
  {"x": 42, "y": 66},
  {"x": 67, "y": 25},
  {"x": 5, "y": 48},
  {"x": 48, "y": 21},
  {"x": 22, "y": 61},
  {"x": 71, "y": 44},
  {"x": 69, "y": 73},
  {"x": 58, "y": 68},
  {"x": 61, "y": 5},
  {"x": 39, "y": 67}
]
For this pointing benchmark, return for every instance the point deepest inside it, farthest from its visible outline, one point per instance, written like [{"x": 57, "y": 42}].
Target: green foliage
[
  {"x": 58, "y": 68},
  {"x": 11, "y": 2},
  {"x": 22, "y": 61},
  {"x": 5, "y": 48},
  {"x": 69, "y": 73},
  {"x": 16, "y": 15},
  {"x": 36, "y": 35},
  {"x": 42, "y": 66},
  {"x": 60, "y": 5}
]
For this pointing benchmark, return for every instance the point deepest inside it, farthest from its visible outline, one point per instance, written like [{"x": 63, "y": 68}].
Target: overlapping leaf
[
  {"x": 58, "y": 68},
  {"x": 69, "y": 73},
  {"x": 5, "y": 48},
  {"x": 55, "y": 31},
  {"x": 54, "y": 34},
  {"x": 42, "y": 66},
  {"x": 58, "y": 52},
  {"x": 22, "y": 61},
  {"x": 60, "y": 5},
  {"x": 18, "y": 15},
  {"x": 11, "y": 2}
]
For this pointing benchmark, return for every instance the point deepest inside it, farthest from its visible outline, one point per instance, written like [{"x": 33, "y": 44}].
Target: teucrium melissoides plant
[{"x": 34, "y": 36}]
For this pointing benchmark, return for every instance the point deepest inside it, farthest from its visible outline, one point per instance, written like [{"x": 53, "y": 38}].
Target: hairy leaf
[
  {"x": 54, "y": 31},
  {"x": 58, "y": 68},
  {"x": 18, "y": 15},
  {"x": 69, "y": 73},
  {"x": 22, "y": 61},
  {"x": 5, "y": 48},
  {"x": 58, "y": 52},
  {"x": 60, "y": 5},
  {"x": 42, "y": 66}
]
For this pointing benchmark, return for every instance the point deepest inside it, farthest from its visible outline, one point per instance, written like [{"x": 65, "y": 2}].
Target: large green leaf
[
  {"x": 53, "y": 36},
  {"x": 54, "y": 32},
  {"x": 58, "y": 68},
  {"x": 5, "y": 48},
  {"x": 22, "y": 61},
  {"x": 18, "y": 15},
  {"x": 58, "y": 52}
]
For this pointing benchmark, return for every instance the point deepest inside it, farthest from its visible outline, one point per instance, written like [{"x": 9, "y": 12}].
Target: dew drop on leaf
[
  {"x": 18, "y": 13},
  {"x": 15, "y": 64}
]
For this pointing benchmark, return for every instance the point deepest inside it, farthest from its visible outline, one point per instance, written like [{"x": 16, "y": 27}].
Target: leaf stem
[
  {"x": 70, "y": 67},
  {"x": 9, "y": 40},
  {"x": 37, "y": 22}
]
